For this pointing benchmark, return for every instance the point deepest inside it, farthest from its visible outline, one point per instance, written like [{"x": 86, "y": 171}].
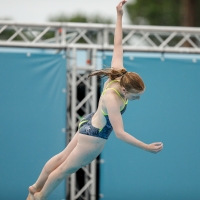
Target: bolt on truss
[{"x": 100, "y": 37}]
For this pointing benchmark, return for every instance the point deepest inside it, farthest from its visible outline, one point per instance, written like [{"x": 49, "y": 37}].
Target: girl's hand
[
  {"x": 155, "y": 147},
  {"x": 119, "y": 7}
]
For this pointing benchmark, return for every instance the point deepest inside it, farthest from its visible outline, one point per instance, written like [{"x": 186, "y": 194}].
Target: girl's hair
[{"x": 129, "y": 80}]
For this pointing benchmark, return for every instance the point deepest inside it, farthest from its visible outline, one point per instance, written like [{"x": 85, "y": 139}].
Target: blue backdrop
[
  {"x": 168, "y": 111},
  {"x": 32, "y": 116}
]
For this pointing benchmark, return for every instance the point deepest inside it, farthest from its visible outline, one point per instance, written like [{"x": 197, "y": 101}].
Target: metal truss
[
  {"x": 77, "y": 77},
  {"x": 100, "y": 37}
]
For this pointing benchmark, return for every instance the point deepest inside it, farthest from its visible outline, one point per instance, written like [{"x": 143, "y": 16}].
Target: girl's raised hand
[
  {"x": 119, "y": 7},
  {"x": 155, "y": 147}
]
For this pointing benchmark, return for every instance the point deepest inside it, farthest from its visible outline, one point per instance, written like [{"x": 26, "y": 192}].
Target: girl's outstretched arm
[
  {"x": 113, "y": 110},
  {"x": 117, "y": 59}
]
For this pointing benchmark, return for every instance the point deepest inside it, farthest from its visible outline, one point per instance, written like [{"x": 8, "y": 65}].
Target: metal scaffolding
[
  {"x": 78, "y": 76},
  {"x": 100, "y": 37},
  {"x": 92, "y": 38}
]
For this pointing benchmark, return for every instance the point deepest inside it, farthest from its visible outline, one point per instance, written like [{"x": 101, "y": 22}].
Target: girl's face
[{"x": 133, "y": 95}]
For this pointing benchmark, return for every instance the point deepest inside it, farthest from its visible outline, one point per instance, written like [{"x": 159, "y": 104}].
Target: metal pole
[
  {"x": 68, "y": 112},
  {"x": 87, "y": 111},
  {"x": 94, "y": 107},
  {"x": 73, "y": 113}
]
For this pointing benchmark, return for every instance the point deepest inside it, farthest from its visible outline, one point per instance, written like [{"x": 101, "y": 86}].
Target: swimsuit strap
[
  {"x": 125, "y": 102},
  {"x": 109, "y": 84}
]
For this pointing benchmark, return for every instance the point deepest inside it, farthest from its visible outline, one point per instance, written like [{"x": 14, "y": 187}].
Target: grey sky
[{"x": 39, "y": 10}]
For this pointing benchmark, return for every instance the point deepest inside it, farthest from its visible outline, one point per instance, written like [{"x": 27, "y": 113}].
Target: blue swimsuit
[{"x": 86, "y": 127}]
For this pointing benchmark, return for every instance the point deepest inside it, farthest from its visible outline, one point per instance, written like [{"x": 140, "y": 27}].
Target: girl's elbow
[{"x": 119, "y": 134}]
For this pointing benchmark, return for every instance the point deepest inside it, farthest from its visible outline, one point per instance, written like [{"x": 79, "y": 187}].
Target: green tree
[
  {"x": 165, "y": 13},
  {"x": 80, "y": 17},
  {"x": 6, "y": 34}
]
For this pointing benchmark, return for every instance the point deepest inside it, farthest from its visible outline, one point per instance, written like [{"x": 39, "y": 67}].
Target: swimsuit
[{"x": 86, "y": 127}]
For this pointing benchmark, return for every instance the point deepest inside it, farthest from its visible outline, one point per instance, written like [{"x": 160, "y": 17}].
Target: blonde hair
[{"x": 129, "y": 80}]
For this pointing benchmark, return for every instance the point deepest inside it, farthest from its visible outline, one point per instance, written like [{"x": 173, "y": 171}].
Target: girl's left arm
[
  {"x": 115, "y": 118},
  {"x": 117, "y": 59}
]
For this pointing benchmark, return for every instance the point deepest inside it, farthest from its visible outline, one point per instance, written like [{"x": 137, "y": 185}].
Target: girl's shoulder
[{"x": 106, "y": 83}]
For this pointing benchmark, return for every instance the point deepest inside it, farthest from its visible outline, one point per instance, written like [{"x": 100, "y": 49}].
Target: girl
[{"x": 95, "y": 128}]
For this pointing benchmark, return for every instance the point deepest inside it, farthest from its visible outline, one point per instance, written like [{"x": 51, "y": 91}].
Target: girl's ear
[{"x": 123, "y": 90}]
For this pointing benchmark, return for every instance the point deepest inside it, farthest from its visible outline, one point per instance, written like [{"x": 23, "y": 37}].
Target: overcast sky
[{"x": 39, "y": 10}]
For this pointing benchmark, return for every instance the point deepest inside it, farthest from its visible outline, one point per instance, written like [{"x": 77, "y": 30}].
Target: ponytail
[
  {"x": 109, "y": 72},
  {"x": 129, "y": 80}
]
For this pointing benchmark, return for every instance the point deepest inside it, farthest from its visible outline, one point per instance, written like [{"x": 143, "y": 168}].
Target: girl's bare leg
[
  {"x": 50, "y": 166},
  {"x": 87, "y": 149}
]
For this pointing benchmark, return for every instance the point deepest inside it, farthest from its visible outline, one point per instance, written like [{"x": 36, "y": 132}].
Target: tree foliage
[
  {"x": 158, "y": 12},
  {"x": 80, "y": 17}
]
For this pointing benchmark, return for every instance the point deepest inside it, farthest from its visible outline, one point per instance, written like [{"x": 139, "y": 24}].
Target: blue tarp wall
[
  {"x": 168, "y": 111},
  {"x": 32, "y": 116}
]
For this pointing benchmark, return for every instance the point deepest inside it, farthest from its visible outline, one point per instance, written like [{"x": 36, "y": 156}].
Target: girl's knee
[{"x": 54, "y": 162}]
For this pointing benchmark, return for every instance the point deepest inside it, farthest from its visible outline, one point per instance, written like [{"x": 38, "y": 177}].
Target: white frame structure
[
  {"x": 100, "y": 37},
  {"x": 93, "y": 37},
  {"x": 76, "y": 76}
]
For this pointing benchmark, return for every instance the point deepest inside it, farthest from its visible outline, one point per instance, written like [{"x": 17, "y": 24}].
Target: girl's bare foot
[{"x": 32, "y": 191}]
